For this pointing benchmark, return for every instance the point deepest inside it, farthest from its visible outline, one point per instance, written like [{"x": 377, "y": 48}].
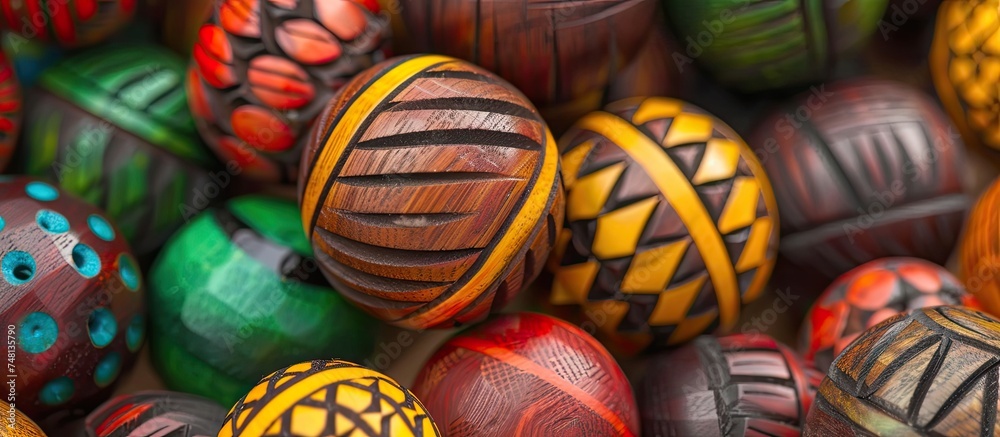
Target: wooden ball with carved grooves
[
  {"x": 16, "y": 424},
  {"x": 671, "y": 224},
  {"x": 930, "y": 372},
  {"x": 978, "y": 254},
  {"x": 430, "y": 191}
]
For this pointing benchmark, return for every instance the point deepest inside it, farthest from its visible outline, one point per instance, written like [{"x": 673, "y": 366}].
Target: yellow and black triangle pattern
[
  {"x": 933, "y": 371},
  {"x": 328, "y": 398},
  {"x": 671, "y": 221}
]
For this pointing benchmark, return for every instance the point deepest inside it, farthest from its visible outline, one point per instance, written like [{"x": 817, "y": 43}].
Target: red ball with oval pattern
[
  {"x": 69, "y": 23},
  {"x": 72, "y": 291},
  {"x": 264, "y": 69},
  {"x": 526, "y": 374},
  {"x": 869, "y": 294},
  {"x": 10, "y": 110}
]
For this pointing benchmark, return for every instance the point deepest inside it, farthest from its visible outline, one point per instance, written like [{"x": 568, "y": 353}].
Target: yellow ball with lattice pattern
[
  {"x": 328, "y": 398},
  {"x": 671, "y": 223}
]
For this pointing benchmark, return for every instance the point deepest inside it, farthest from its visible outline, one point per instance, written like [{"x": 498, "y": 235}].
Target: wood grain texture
[
  {"x": 869, "y": 294},
  {"x": 553, "y": 51},
  {"x": 69, "y": 23},
  {"x": 326, "y": 398},
  {"x": 22, "y": 426},
  {"x": 733, "y": 386},
  {"x": 112, "y": 126},
  {"x": 933, "y": 371},
  {"x": 236, "y": 294},
  {"x": 430, "y": 192},
  {"x": 155, "y": 413},
  {"x": 651, "y": 73},
  {"x": 526, "y": 374},
  {"x": 958, "y": 60},
  {"x": 264, "y": 69},
  {"x": 760, "y": 45},
  {"x": 671, "y": 223},
  {"x": 73, "y": 291},
  {"x": 863, "y": 169}
]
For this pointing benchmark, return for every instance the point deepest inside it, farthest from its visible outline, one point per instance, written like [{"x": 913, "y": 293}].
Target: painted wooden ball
[
  {"x": 754, "y": 46},
  {"x": 235, "y": 294},
  {"x": 72, "y": 291},
  {"x": 263, "y": 70},
  {"x": 863, "y": 169},
  {"x": 324, "y": 398},
  {"x": 962, "y": 63},
  {"x": 554, "y": 52},
  {"x": 651, "y": 73},
  {"x": 10, "y": 110},
  {"x": 430, "y": 192},
  {"x": 112, "y": 126},
  {"x": 69, "y": 23},
  {"x": 526, "y": 374},
  {"x": 869, "y": 294},
  {"x": 153, "y": 414},
  {"x": 733, "y": 386},
  {"x": 16, "y": 424},
  {"x": 978, "y": 254},
  {"x": 930, "y": 372},
  {"x": 671, "y": 224}
]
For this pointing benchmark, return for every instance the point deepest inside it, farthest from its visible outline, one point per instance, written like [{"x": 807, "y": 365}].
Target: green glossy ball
[
  {"x": 234, "y": 295},
  {"x": 757, "y": 45}
]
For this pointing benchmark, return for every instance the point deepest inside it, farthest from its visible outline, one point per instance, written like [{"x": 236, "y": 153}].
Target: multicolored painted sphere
[
  {"x": 112, "y": 126},
  {"x": 930, "y": 372},
  {"x": 671, "y": 224},
  {"x": 869, "y": 294},
  {"x": 863, "y": 169},
  {"x": 554, "y": 52},
  {"x": 430, "y": 192},
  {"x": 734, "y": 386},
  {"x": 72, "y": 292},
  {"x": 979, "y": 254},
  {"x": 235, "y": 294},
  {"x": 323, "y": 398},
  {"x": 263, "y": 70},
  {"x": 962, "y": 61},
  {"x": 16, "y": 424},
  {"x": 69, "y": 23},
  {"x": 10, "y": 110},
  {"x": 155, "y": 413},
  {"x": 756, "y": 46},
  {"x": 527, "y": 374}
]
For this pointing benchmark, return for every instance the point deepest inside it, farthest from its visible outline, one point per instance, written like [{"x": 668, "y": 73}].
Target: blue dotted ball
[
  {"x": 38, "y": 332},
  {"x": 18, "y": 267},
  {"x": 100, "y": 227},
  {"x": 102, "y": 327}
]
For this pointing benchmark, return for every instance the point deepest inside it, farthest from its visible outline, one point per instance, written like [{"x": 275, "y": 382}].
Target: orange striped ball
[
  {"x": 430, "y": 191},
  {"x": 979, "y": 253}
]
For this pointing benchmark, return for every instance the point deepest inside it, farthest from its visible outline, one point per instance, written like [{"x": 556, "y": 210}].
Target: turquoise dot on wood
[
  {"x": 38, "y": 332},
  {"x": 128, "y": 272},
  {"x": 86, "y": 260},
  {"x": 102, "y": 327},
  {"x": 51, "y": 221},
  {"x": 107, "y": 369},
  {"x": 135, "y": 333},
  {"x": 41, "y": 191},
  {"x": 100, "y": 227},
  {"x": 57, "y": 391},
  {"x": 18, "y": 267}
]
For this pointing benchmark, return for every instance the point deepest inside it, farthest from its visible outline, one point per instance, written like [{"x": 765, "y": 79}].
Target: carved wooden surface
[
  {"x": 553, "y": 51},
  {"x": 869, "y": 294},
  {"x": 325, "y": 398},
  {"x": 863, "y": 169},
  {"x": 430, "y": 191},
  {"x": 529, "y": 375},
  {"x": 732, "y": 386},
  {"x": 930, "y": 372},
  {"x": 22, "y": 425},
  {"x": 671, "y": 223},
  {"x": 155, "y": 413},
  {"x": 264, "y": 69},
  {"x": 73, "y": 291}
]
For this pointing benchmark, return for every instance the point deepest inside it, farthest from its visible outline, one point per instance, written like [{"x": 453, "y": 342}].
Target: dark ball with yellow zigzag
[{"x": 671, "y": 224}]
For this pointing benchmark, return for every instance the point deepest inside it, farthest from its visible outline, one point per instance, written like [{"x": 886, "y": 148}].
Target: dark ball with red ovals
[
  {"x": 738, "y": 385},
  {"x": 69, "y": 23},
  {"x": 869, "y": 294},
  {"x": 73, "y": 291},
  {"x": 262, "y": 71},
  {"x": 10, "y": 110},
  {"x": 149, "y": 413},
  {"x": 526, "y": 374},
  {"x": 863, "y": 169}
]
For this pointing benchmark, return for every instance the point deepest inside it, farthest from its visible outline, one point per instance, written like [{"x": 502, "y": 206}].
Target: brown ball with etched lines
[
  {"x": 671, "y": 224},
  {"x": 430, "y": 191}
]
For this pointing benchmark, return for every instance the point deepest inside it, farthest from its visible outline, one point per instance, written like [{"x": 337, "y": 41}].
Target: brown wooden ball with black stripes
[{"x": 430, "y": 191}]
